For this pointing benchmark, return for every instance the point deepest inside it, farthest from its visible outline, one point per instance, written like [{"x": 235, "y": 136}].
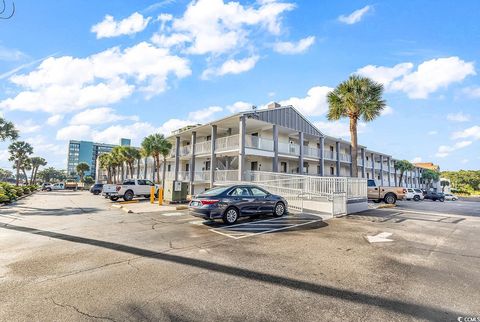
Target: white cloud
[
  {"x": 417, "y": 160},
  {"x": 429, "y": 77},
  {"x": 66, "y": 84},
  {"x": 433, "y": 132},
  {"x": 216, "y": 27},
  {"x": 338, "y": 129},
  {"x": 43, "y": 146},
  {"x": 290, "y": 48},
  {"x": 28, "y": 126},
  {"x": 471, "y": 132},
  {"x": 109, "y": 27},
  {"x": 114, "y": 133},
  {"x": 174, "y": 124},
  {"x": 54, "y": 119},
  {"x": 314, "y": 104},
  {"x": 204, "y": 115},
  {"x": 385, "y": 75},
  {"x": 458, "y": 117},
  {"x": 464, "y": 161},
  {"x": 388, "y": 110},
  {"x": 472, "y": 91},
  {"x": 445, "y": 150},
  {"x": 231, "y": 66},
  {"x": 355, "y": 16},
  {"x": 75, "y": 132},
  {"x": 9, "y": 54},
  {"x": 239, "y": 106},
  {"x": 101, "y": 115}
]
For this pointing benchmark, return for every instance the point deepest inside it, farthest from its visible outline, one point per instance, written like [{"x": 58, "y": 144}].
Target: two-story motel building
[{"x": 276, "y": 139}]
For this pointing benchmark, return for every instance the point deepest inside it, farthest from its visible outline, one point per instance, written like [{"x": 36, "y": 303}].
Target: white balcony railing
[
  {"x": 258, "y": 143},
  {"x": 226, "y": 175},
  {"x": 227, "y": 143},
  {"x": 202, "y": 175},
  {"x": 185, "y": 150},
  {"x": 288, "y": 148},
  {"x": 184, "y": 175},
  {"x": 203, "y": 147},
  {"x": 329, "y": 155},
  {"x": 345, "y": 157},
  {"x": 311, "y": 152}
]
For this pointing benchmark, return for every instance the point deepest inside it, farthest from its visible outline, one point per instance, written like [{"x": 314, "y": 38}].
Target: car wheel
[
  {"x": 390, "y": 199},
  {"x": 49, "y": 189},
  {"x": 96, "y": 193},
  {"x": 113, "y": 198},
  {"x": 416, "y": 198},
  {"x": 279, "y": 210},
  {"x": 434, "y": 199},
  {"x": 376, "y": 201},
  {"x": 230, "y": 216},
  {"x": 441, "y": 199},
  {"x": 128, "y": 196}
]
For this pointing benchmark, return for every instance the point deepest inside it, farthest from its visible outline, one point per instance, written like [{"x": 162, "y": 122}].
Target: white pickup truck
[{"x": 129, "y": 189}]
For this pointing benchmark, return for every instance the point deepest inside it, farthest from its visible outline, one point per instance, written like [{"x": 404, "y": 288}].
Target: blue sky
[{"x": 101, "y": 70}]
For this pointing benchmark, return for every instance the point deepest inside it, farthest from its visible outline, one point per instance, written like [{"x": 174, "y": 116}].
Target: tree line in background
[
  {"x": 20, "y": 154},
  {"x": 464, "y": 181},
  {"x": 154, "y": 145}
]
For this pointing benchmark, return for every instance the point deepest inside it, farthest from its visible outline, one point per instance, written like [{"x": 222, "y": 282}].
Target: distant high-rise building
[{"x": 85, "y": 151}]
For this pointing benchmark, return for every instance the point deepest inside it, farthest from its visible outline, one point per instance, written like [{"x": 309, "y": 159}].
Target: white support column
[
  {"x": 193, "y": 141},
  {"x": 364, "y": 170},
  {"x": 337, "y": 147},
  {"x": 177, "y": 156},
  {"x": 241, "y": 154},
  {"x": 213, "y": 160},
  {"x": 275, "y": 148},
  {"x": 300, "y": 159},
  {"x": 381, "y": 170},
  {"x": 322, "y": 156},
  {"x": 395, "y": 174},
  {"x": 389, "y": 171},
  {"x": 373, "y": 166},
  {"x": 351, "y": 163}
]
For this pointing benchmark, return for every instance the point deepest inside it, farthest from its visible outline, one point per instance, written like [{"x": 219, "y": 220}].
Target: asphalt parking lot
[
  {"x": 458, "y": 207},
  {"x": 70, "y": 256}
]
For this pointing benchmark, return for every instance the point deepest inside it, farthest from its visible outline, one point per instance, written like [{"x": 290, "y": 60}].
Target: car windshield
[{"x": 214, "y": 191}]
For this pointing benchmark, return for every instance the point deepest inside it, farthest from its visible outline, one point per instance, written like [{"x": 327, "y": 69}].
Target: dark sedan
[
  {"x": 230, "y": 203},
  {"x": 435, "y": 196},
  {"x": 96, "y": 188}
]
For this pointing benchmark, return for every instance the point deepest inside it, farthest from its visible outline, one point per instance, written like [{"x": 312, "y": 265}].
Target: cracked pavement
[{"x": 69, "y": 256}]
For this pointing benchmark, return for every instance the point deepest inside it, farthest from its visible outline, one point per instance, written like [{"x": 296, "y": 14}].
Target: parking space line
[{"x": 283, "y": 228}]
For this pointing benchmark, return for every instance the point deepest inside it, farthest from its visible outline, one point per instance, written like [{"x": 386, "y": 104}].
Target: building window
[
  {"x": 283, "y": 167},
  {"x": 169, "y": 167},
  {"x": 187, "y": 167},
  {"x": 207, "y": 165},
  {"x": 332, "y": 171}
]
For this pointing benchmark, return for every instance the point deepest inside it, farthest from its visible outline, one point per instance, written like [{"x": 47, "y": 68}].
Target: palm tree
[
  {"x": 37, "y": 162},
  {"x": 356, "y": 98},
  {"x": 81, "y": 168},
  {"x": 117, "y": 161},
  {"x": 130, "y": 155},
  {"x": 403, "y": 166},
  {"x": 105, "y": 161},
  {"x": 7, "y": 130},
  {"x": 155, "y": 145},
  {"x": 429, "y": 176},
  {"x": 19, "y": 152}
]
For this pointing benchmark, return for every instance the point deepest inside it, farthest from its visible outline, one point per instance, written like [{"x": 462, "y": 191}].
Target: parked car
[
  {"x": 129, "y": 189},
  {"x": 54, "y": 186},
  {"x": 230, "y": 203},
  {"x": 96, "y": 188},
  {"x": 435, "y": 196},
  {"x": 415, "y": 194},
  {"x": 71, "y": 184},
  {"x": 388, "y": 194},
  {"x": 449, "y": 196}
]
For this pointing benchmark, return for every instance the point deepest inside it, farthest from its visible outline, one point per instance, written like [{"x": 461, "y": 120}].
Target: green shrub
[
  {"x": 4, "y": 198},
  {"x": 18, "y": 191},
  {"x": 26, "y": 190}
]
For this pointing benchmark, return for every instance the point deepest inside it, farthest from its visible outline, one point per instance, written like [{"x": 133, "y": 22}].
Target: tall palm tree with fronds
[
  {"x": 81, "y": 168},
  {"x": 7, "y": 130},
  {"x": 118, "y": 161},
  {"x": 19, "y": 152},
  {"x": 130, "y": 155},
  {"x": 356, "y": 98},
  {"x": 403, "y": 166},
  {"x": 36, "y": 162},
  {"x": 105, "y": 161},
  {"x": 155, "y": 145}
]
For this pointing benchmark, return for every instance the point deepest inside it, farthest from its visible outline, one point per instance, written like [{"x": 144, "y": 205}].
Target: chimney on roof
[{"x": 273, "y": 105}]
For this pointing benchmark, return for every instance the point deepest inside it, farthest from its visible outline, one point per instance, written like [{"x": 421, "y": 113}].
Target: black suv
[
  {"x": 96, "y": 188},
  {"x": 435, "y": 196}
]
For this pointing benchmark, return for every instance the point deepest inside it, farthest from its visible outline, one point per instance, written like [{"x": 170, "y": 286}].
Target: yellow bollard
[
  {"x": 152, "y": 195},
  {"x": 160, "y": 196}
]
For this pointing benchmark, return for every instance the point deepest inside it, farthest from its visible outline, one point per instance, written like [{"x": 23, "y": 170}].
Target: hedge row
[{"x": 9, "y": 192}]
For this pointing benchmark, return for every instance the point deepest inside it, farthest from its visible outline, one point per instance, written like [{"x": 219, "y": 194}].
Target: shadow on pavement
[
  {"x": 415, "y": 310},
  {"x": 35, "y": 211}
]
